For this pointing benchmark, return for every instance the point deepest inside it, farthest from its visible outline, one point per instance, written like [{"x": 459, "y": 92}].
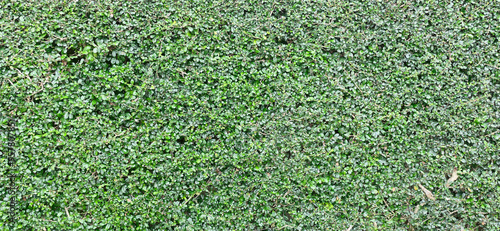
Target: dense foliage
[{"x": 257, "y": 115}]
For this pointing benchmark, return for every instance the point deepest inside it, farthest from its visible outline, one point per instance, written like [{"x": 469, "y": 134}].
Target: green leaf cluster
[{"x": 250, "y": 115}]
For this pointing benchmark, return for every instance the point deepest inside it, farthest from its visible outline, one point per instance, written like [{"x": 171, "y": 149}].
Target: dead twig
[
  {"x": 20, "y": 73},
  {"x": 67, "y": 213},
  {"x": 284, "y": 227},
  {"x": 12, "y": 84},
  {"x": 493, "y": 66}
]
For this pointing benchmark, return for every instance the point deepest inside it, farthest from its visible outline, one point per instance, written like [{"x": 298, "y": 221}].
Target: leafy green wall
[{"x": 250, "y": 115}]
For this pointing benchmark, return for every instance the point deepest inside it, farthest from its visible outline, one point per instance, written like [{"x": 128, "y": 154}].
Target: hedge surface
[{"x": 250, "y": 115}]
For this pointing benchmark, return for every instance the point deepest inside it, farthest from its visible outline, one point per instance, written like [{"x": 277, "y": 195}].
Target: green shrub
[{"x": 250, "y": 115}]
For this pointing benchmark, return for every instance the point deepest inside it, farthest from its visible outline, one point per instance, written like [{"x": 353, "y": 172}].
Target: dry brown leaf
[
  {"x": 416, "y": 209},
  {"x": 427, "y": 192},
  {"x": 454, "y": 177}
]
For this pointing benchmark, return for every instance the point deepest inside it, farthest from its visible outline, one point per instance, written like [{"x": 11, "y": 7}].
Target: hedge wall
[{"x": 250, "y": 115}]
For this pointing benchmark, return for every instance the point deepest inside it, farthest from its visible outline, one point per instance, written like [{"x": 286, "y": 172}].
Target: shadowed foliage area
[{"x": 250, "y": 115}]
